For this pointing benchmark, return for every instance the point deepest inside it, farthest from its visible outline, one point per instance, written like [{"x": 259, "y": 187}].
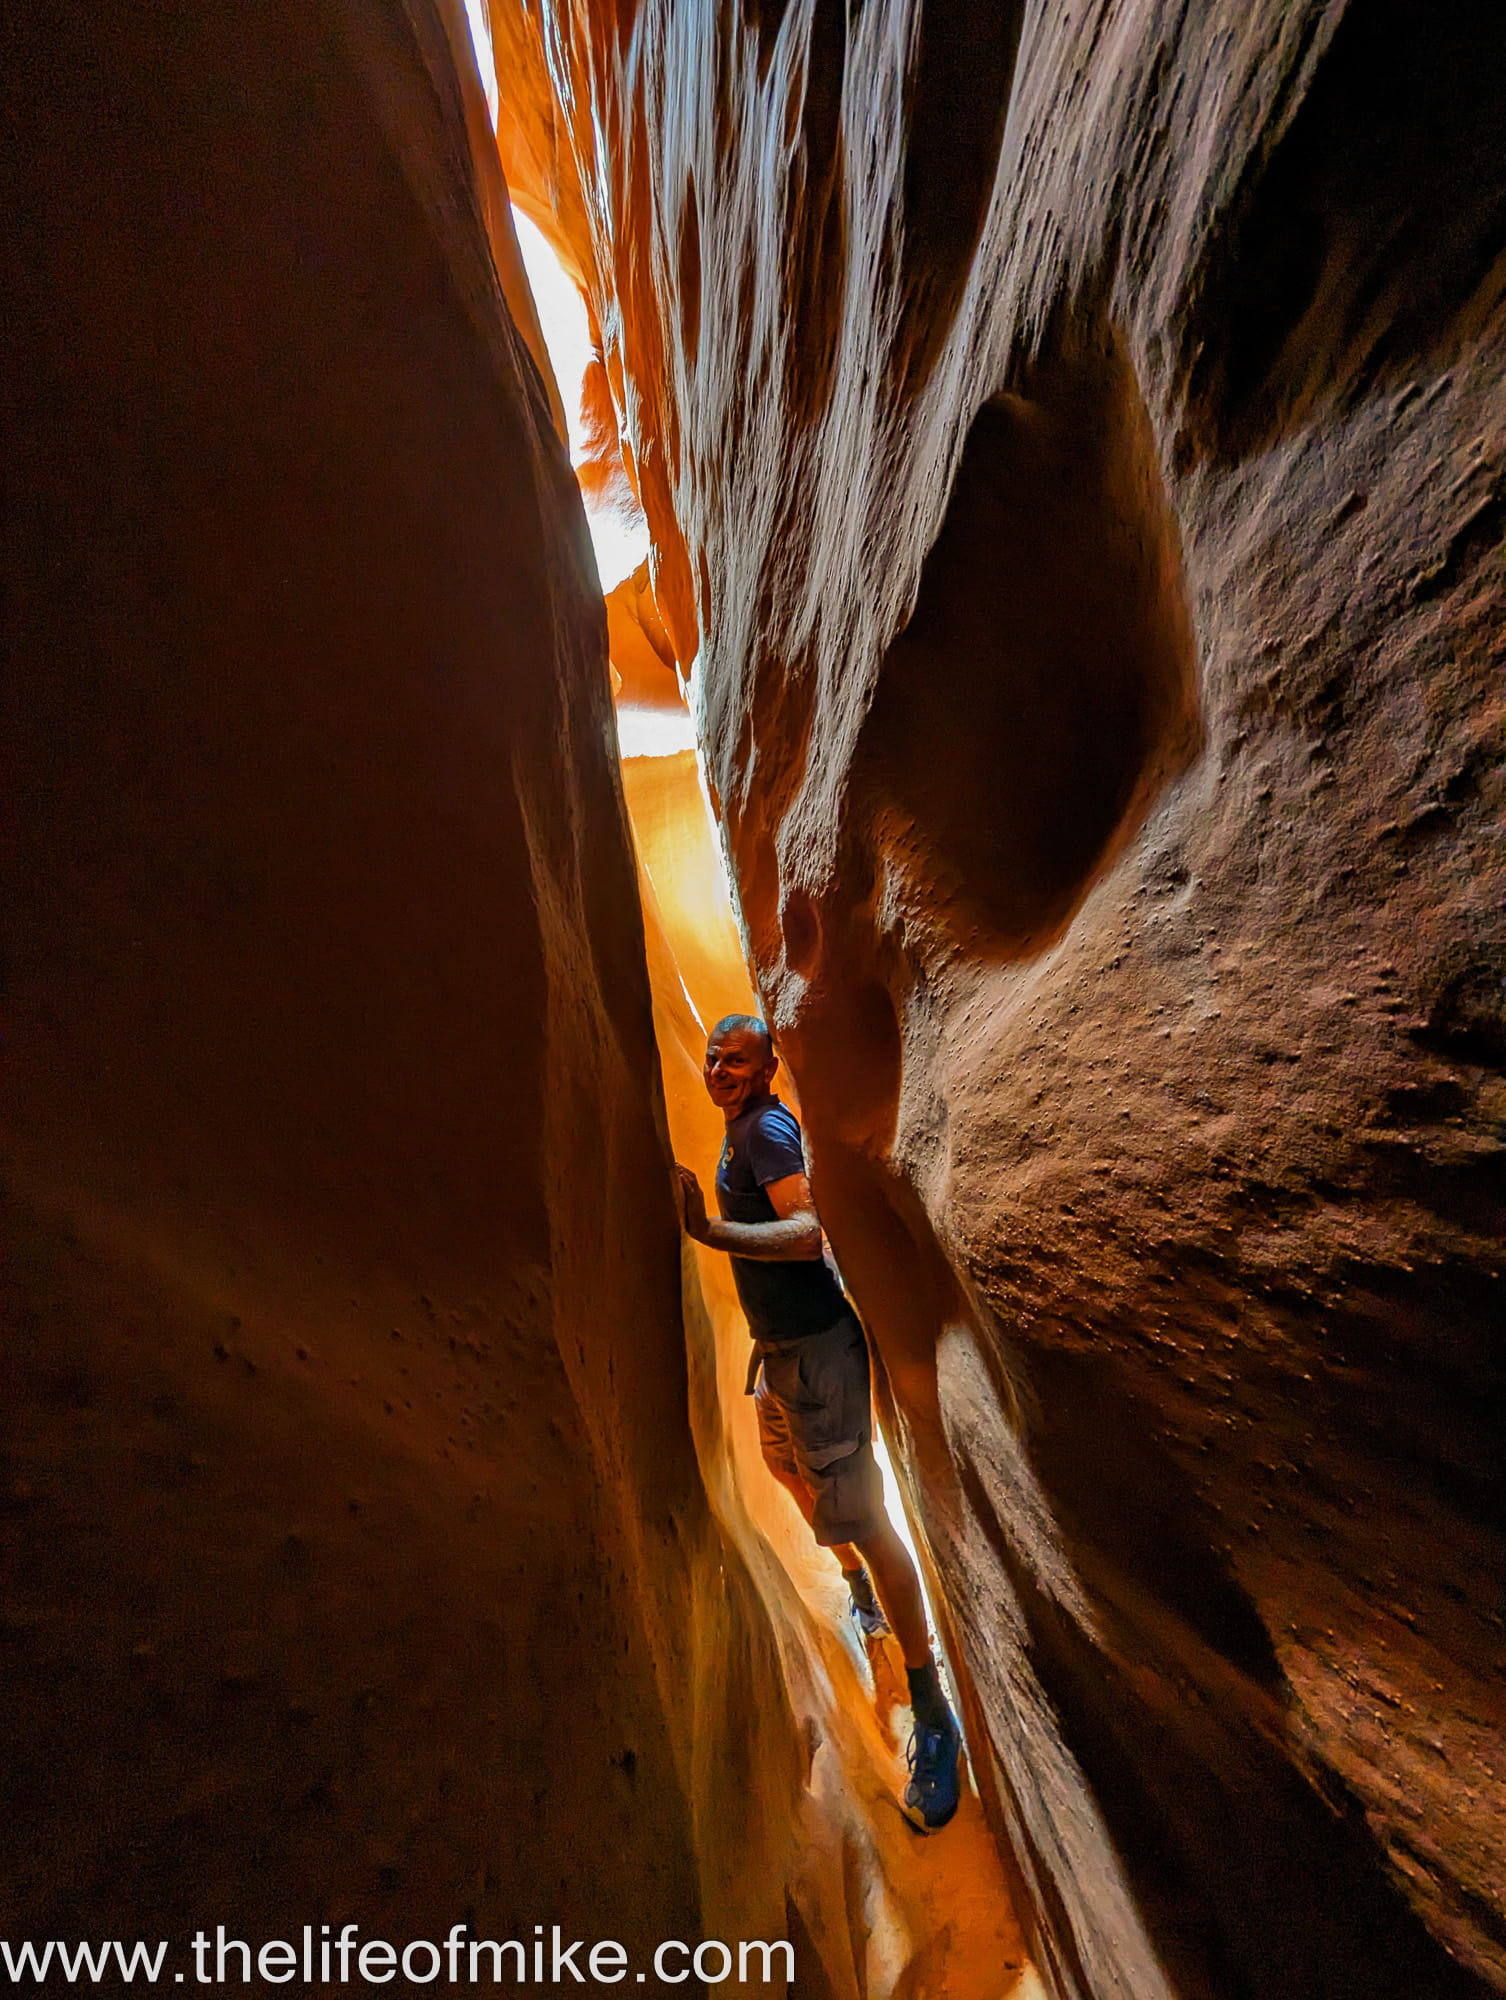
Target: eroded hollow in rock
[{"x": 1048, "y": 667}]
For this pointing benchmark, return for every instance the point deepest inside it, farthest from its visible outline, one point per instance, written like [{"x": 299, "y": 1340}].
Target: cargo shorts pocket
[
  {"x": 829, "y": 1400},
  {"x": 849, "y": 1498}
]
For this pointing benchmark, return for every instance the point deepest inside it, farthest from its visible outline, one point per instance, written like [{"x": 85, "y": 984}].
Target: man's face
[{"x": 738, "y": 1068}]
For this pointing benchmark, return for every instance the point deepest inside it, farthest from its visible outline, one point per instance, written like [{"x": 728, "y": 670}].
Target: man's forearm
[{"x": 797, "y": 1239}]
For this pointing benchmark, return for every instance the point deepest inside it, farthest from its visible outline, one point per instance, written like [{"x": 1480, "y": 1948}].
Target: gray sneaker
[{"x": 866, "y": 1609}]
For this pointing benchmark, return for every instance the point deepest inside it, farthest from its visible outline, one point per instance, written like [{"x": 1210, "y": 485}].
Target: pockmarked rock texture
[
  {"x": 357, "y": 1566},
  {"x": 1072, "y": 442}
]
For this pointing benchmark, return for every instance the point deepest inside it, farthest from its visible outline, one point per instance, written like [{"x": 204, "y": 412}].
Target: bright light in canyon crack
[
  {"x": 562, "y": 321},
  {"x": 481, "y": 42},
  {"x": 655, "y": 732},
  {"x": 620, "y": 541}
]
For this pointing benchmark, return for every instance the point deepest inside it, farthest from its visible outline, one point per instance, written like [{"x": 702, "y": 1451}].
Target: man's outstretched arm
[{"x": 794, "y": 1239}]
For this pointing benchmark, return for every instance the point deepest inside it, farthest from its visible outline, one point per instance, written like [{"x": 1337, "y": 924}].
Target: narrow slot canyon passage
[
  {"x": 939, "y": 1913},
  {"x": 974, "y": 533}
]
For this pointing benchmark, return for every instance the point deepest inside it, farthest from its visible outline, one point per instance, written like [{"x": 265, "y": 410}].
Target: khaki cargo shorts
[{"x": 814, "y": 1400}]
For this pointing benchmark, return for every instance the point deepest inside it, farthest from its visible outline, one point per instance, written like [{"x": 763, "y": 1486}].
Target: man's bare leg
[
  {"x": 898, "y": 1586},
  {"x": 931, "y": 1796},
  {"x": 933, "y": 1793}
]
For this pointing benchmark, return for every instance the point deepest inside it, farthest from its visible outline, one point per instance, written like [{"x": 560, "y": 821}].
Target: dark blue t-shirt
[{"x": 782, "y": 1301}]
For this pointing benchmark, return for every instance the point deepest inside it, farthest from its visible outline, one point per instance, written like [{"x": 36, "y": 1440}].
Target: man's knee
[
  {"x": 883, "y": 1531},
  {"x": 881, "y": 1542}
]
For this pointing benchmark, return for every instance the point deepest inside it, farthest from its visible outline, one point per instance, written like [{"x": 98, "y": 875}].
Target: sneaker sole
[{"x": 917, "y": 1824}]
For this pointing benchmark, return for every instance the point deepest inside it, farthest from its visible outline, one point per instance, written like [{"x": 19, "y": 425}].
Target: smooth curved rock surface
[
  {"x": 1072, "y": 441},
  {"x": 357, "y": 1561}
]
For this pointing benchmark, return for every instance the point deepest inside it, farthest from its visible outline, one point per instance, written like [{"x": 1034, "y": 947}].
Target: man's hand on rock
[{"x": 691, "y": 1203}]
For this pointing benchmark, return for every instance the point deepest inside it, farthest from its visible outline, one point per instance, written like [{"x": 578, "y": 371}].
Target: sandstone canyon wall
[
  {"x": 357, "y": 1565},
  {"x": 1072, "y": 442}
]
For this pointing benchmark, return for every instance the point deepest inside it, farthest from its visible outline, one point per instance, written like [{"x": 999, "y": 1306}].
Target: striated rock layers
[
  {"x": 357, "y": 1566},
  {"x": 1072, "y": 441}
]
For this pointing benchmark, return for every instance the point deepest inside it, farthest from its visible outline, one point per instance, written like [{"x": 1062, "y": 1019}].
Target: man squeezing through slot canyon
[{"x": 809, "y": 1375}]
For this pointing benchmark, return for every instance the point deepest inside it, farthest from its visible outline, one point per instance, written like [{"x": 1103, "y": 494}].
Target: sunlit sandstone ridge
[{"x": 1071, "y": 438}]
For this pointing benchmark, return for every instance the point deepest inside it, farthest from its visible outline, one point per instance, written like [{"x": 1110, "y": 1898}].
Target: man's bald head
[
  {"x": 745, "y": 1024},
  {"x": 740, "y": 1063}
]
